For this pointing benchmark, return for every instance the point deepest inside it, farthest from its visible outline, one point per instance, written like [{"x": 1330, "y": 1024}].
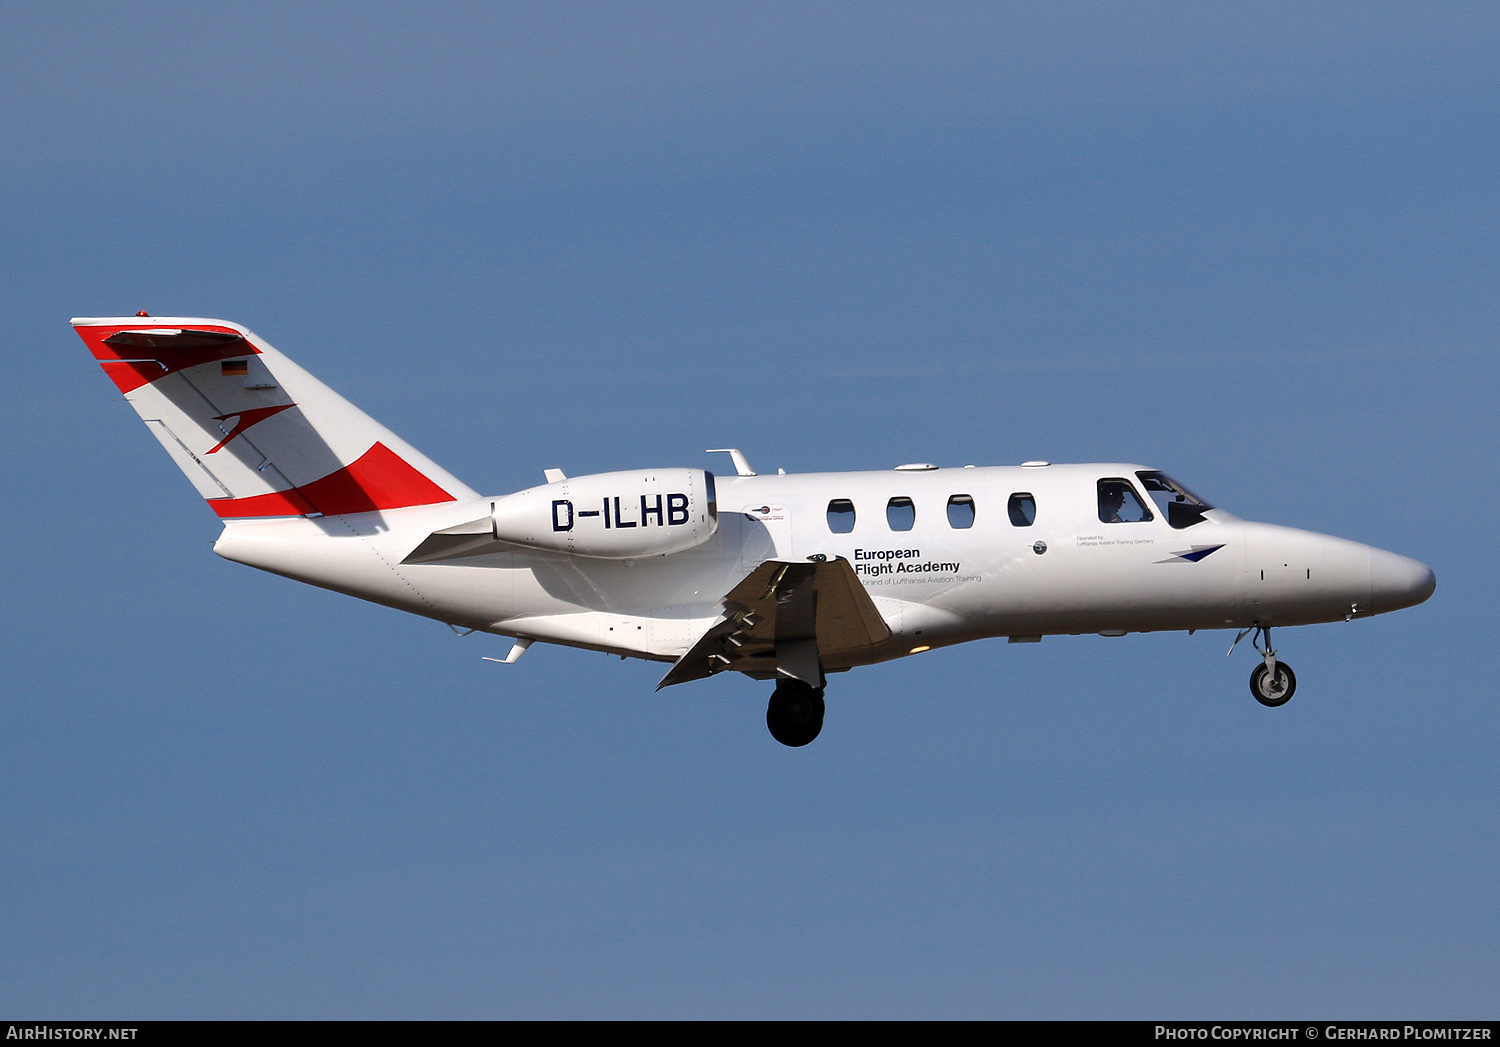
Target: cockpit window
[
  {"x": 1118, "y": 502},
  {"x": 1182, "y": 507}
]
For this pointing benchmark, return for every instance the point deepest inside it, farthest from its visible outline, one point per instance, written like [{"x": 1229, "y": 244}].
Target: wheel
[
  {"x": 1273, "y": 692},
  {"x": 795, "y": 713}
]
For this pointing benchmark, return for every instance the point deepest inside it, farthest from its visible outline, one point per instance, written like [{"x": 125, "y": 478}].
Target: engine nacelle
[{"x": 616, "y": 516}]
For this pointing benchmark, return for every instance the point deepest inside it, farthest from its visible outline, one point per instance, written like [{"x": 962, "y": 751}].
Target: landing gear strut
[
  {"x": 795, "y": 713},
  {"x": 1272, "y": 683}
]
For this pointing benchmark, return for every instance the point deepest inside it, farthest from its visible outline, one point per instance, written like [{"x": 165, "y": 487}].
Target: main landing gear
[
  {"x": 795, "y": 714},
  {"x": 1272, "y": 683}
]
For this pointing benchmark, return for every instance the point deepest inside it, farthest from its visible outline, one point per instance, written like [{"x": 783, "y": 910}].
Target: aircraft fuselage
[{"x": 962, "y": 570}]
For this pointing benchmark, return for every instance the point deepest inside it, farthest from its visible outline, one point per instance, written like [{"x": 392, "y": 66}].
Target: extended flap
[{"x": 786, "y": 601}]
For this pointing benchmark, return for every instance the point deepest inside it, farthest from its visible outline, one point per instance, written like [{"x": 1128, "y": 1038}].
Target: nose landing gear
[
  {"x": 1272, "y": 683},
  {"x": 795, "y": 713},
  {"x": 1270, "y": 686}
]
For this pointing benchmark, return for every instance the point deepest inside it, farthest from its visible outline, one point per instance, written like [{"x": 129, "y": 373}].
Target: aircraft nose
[{"x": 1398, "y": 581}]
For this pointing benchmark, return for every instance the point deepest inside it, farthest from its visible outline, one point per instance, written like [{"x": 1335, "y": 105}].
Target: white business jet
[{"x": 784, "y": 578}]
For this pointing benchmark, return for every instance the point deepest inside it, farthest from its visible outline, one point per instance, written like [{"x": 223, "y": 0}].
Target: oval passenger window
[
  {"x": 1022, "y": 509},
  {"x": 841, "y": 516},
  {"x": 901, "y": 514},
  {"x": 961, "y": 511}
]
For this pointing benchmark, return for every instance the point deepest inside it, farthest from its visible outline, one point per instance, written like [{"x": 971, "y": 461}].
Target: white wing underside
[{"x": 791, "y": 619}]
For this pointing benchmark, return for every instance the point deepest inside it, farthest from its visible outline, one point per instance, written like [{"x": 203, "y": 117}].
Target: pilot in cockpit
[{"x": 1111, "y": 499}]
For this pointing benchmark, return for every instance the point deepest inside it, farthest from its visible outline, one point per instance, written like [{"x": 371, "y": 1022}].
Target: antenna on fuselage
[{"x": 741, "y": 466}]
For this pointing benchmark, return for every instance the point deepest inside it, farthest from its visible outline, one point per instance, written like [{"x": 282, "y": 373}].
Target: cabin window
[
  {"x": 1182, "y": 507},
  {"x": 841, "y": 516},
  {"x": 1118, "y": 503},
  {"x": 961, "y": 511},
  {"x": 1022, "y": 509},
  {"x": 901, "y": 514}
]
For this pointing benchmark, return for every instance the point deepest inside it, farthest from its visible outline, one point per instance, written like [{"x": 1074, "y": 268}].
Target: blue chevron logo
[{"x": 1193, "y": 555}]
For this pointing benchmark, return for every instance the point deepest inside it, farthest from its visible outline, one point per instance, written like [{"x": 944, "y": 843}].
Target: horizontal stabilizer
[
  {"x": 770, "y": 615},
  {"x": 147, "y": 344}
]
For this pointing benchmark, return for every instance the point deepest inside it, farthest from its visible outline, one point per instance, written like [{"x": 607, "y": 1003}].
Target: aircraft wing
[{"x": 788, "y": 618}]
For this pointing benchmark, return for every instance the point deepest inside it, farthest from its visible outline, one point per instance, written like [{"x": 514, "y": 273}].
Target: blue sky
[{"x": 1254, "y": 245}]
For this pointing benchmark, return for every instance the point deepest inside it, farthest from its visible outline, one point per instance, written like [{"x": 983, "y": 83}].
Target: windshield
[{"x": 1181, "y": 507}]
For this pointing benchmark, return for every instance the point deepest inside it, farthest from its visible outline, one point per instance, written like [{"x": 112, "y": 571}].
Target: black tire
[
  {"x": 1273, "y": 692},
  {"x": 795, "y": 713}
]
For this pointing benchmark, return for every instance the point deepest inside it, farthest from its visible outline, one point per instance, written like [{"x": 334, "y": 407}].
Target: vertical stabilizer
[{"x": 257, "y": 435}]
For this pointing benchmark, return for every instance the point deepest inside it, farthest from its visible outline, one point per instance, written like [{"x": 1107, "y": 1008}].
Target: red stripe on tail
[
  {"x": 131, "y": 367},
  {"x": 380, "y": 479}
]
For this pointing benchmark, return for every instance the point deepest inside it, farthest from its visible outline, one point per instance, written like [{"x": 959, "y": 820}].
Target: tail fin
[{"x": 256, "y": 434}]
